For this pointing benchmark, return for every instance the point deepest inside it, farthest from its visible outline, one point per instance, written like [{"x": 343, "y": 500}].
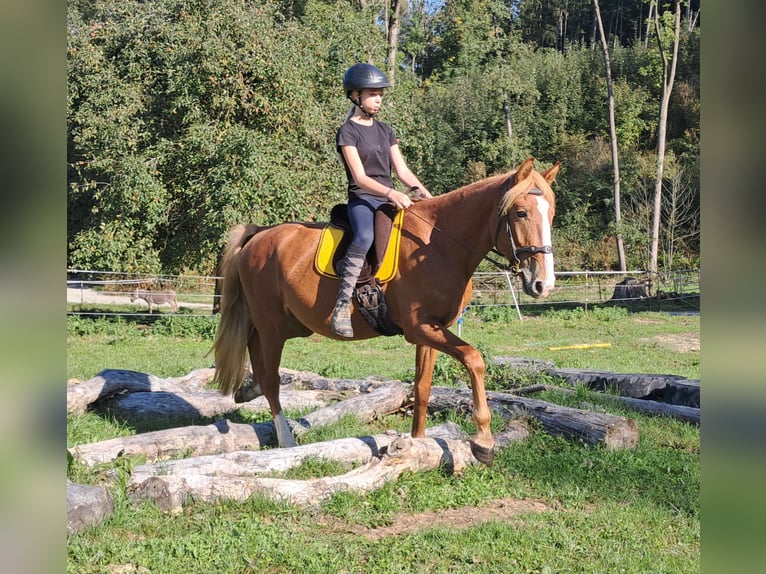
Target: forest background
[{"x": 185, "y": 117}]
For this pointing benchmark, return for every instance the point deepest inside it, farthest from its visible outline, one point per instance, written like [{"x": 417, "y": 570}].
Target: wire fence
[{"x": 108, "y": 293}]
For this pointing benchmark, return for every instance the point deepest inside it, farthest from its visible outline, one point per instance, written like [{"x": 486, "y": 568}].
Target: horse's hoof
[
  {"x": 247, "y": 393},
  {"x": 483, "y": 454}
]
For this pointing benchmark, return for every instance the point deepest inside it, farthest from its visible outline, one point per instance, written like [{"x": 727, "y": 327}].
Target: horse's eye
[{"x": 521, "y": 214}]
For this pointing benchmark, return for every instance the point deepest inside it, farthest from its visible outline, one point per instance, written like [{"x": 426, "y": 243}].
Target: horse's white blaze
[
  {"x": 284, "y": 434},
  {"x": 547, "y": 239}
]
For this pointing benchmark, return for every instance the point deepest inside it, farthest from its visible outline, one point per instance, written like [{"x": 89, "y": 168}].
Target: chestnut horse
[{"x": 272, "y": 293}]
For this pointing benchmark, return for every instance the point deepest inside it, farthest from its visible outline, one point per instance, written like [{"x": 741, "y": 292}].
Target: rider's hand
[
  {"x": 399, "y": 199},
  {"x": 419, "y": 193}
]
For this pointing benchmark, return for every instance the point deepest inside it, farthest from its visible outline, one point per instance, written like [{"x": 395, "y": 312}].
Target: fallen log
[
  {"x": 111, "y": 382},
  {"x": 672, "y": 389},
  {"x": 680, "y": 412},
  {"x": 86, "y": 505},
  {"x": 592, "y": 428},
  {"x": 305, "y": 380},
  {"x": 203, "y": 403},
  {"x": 219, "y": 437},
  {"x": 225, "y": 436},
  {"x": 383, "y": 400},
  {"x": 171, "y": 491},
  {"x": 349, "y": 452},
  {"x": 635, "y": 385}
]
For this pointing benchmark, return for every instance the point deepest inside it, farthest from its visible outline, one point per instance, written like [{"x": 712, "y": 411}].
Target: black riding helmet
[{"x": 361, "y": 76}]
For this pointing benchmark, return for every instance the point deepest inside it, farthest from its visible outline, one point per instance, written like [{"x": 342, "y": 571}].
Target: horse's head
[{"x": 524, "y": 227}]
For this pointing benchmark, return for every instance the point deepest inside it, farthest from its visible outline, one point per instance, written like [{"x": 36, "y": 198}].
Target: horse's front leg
[
  {"x": 433, "y": 334},
  {"x": 425, "y": 359}
]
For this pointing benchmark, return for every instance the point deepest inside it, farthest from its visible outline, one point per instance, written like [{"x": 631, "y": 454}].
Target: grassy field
[{"x": 546, "y": 506}]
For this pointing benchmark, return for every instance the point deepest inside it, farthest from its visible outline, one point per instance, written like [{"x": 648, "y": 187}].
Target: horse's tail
[{"x": 230, "y": 347}]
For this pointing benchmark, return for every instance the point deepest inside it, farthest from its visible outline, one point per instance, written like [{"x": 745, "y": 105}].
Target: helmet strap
[{"x": 358, "y": 103}]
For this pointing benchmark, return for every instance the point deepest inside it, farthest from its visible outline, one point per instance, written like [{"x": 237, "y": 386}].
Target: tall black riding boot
[{"x": 351, "y": 268}]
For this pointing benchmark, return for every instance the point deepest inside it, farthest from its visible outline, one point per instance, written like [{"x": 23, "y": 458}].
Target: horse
[{"x": 271, "y": 292}]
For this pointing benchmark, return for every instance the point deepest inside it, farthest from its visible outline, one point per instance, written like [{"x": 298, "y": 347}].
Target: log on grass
[
  {"x": 384, "y": 400},
  {"x": 204, "y": 403},
  {"x": 194, "y": 440},
  {"x": 680, "y": 412},
  {"x": 305, "y": 380},
  {"x": 171, "y": 492},
  {"x": 383, "y": 457},
  {"x": 635, "y": 385},
  {"x": 348, "y": 452},
  {"x": 225, "y": 436},
  {"x": 86, "y": 505},
  {"x": 112, "y": 382},
  {"x": 612, "y": 431}
]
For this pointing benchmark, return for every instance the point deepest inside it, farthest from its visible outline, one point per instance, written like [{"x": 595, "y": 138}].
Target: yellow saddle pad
[{"x": 330, "y": 240}]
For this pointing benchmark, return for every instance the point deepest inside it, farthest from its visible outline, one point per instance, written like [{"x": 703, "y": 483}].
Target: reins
[{"x": 515, "y": 266}]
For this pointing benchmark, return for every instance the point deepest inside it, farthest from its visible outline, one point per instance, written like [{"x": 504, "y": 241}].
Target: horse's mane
[{"x": 534, "y": 181}]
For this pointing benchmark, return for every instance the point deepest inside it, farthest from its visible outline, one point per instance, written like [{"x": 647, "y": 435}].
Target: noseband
[{"x": 516, "y": 252}]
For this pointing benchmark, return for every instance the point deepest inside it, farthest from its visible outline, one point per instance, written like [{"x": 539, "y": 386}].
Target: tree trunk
[
  {"x": 507, "y": 112},
  {"x": 668, "y": 77},
  {"x": 400, "y": 454},
  {"x": 382, "y": 401},
  {"x": 393, "y": 40},
  {"x": 349, "y": 452},
  {"x": 225, "y": 436},
  {"x": 592, "y": 428},
  {"x": 681, "y": 412},
  {"x": 86, "y": 505},
  {"x": 613, "y": 141}
]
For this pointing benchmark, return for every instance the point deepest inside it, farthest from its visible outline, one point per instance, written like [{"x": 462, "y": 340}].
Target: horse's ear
[
  {"x": 525, "y": 169},
  {"x": 550, "y": 174}
]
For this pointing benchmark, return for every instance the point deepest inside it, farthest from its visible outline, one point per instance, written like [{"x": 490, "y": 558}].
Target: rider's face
[{"x": 371, "y": 99}]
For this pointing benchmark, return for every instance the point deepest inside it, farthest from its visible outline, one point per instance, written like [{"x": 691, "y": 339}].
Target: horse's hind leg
[{"x": 265, "y": 361}]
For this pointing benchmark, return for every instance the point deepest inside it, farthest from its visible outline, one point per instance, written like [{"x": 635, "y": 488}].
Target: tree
[
  {"x": 613, "y": 140},
  {"x": 668, "y": 77},
  {"x": 393, "y": 38}
]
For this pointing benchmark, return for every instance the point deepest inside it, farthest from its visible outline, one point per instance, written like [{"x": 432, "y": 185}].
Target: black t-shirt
[{"x": 374, "y": 146}]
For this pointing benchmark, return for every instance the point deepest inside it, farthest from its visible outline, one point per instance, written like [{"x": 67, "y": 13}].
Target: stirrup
[{"x": 341, "y": 319}]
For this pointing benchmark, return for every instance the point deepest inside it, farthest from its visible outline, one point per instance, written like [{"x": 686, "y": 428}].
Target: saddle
[{"x": 380, "y": 265}]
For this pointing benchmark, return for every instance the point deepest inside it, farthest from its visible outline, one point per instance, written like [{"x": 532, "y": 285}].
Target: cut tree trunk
[
  {"x": 382, "y": 401},
  {"x": 612, "y": 431},
  {"x": 86, "y": 505},
  {"x": 397, "y": 455},
  {"x": 348, "y": 452},
  {"x": 225, "y": 436},
  {"x": 204, "y": 403},
  {"x": 111, "y": 382},
  {"x": 669, "y": 388},
  {"x": 131, "y": 394},
  {"x": 680, "y": 412},
  {"x": 219, "y": 437}
]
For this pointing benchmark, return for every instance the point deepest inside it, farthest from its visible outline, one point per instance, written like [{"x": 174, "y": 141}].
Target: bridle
[{"x": 516, "y": 252}]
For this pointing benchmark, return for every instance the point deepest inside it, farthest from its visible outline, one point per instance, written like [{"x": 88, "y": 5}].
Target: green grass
[
  {"x": 174, "y": 346},
  {"x": 633, "y": 511}
]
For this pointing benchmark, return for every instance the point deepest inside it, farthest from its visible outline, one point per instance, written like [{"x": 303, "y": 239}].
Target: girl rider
[{"x": 369, "y": 150}]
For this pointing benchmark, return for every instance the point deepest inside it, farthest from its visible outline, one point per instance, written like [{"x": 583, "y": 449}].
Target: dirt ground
[
  {"x": 680, "y": 342},
  {"x": 505, "y": 509}
]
